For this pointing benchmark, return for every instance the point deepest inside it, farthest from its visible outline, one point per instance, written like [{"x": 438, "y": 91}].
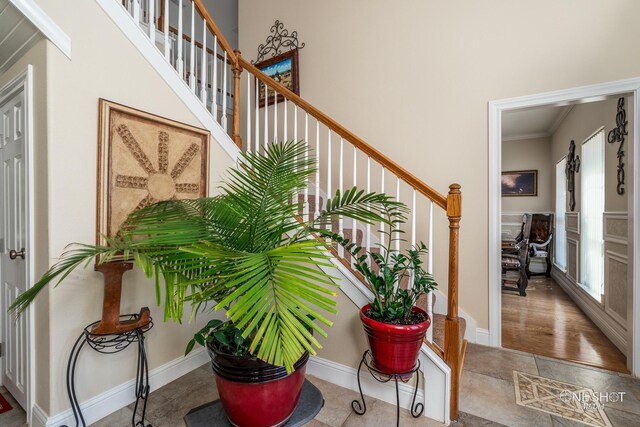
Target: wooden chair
[{"x": 516, "y": 258}]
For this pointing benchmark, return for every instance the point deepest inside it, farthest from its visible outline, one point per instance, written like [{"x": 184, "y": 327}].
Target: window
[
  {"x": 560, "y": 252},
  {"x": 591, "y": 214}
]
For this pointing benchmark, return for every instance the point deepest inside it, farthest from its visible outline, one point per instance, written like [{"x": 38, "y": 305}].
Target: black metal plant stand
[
  {"x": 111, "y": 344},
  {"x": 367, "y": 360}
]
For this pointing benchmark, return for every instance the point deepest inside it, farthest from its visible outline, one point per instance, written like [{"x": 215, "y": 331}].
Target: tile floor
[
  {"x": 487, "y": 396},
  {"x": 16, "y": 416}
]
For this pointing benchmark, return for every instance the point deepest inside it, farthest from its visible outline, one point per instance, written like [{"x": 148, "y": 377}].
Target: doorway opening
[{"x": 558, "y": 215}]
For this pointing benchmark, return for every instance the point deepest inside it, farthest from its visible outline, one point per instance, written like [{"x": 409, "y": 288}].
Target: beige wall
[
  {"x": 414, "y": 80},
  {"x": 529, "y": 154},
  {"x": 104, "y": 65},
  {"x": 37, "y": 58}
]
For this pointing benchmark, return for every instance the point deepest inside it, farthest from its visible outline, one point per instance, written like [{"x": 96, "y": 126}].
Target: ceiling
[
  {"x": 530, "y": 123},
  {"x": 17, "y": 35}
]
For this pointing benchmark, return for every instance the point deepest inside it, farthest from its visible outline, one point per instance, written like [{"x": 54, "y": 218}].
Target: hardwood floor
[{"x": 548, "y": 323}]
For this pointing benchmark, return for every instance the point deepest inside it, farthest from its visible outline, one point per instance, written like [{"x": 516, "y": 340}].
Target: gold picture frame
[{"x": 142, "y": 159}]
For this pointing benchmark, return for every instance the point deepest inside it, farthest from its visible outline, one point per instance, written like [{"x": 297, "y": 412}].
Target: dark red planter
[
  {"x": 255, "y": 393},
  {"x": 394, "y": 348}
]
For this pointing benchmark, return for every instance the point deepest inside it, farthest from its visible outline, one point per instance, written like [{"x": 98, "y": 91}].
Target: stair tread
[{"x": 437, "y": 324}]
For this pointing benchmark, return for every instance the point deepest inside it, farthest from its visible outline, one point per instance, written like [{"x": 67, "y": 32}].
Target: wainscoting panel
[
  {"x": 573, "y": 259},
  {"x": 616, "y": 286},
  {"x": 572, "y": 222},
  {"x": 615, "y": 227}
]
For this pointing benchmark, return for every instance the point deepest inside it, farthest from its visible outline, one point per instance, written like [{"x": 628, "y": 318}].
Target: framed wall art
[
  {"x": 282, "y": 68},
  {"x": 520, "y": 183},
  {"x": 143, "y": 159}
]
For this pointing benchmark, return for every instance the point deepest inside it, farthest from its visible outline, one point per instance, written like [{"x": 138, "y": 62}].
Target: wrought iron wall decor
[
  {"x": 279, "y": 40},
  {"x": 573, "y": 167},
  {"x": 617, "y": 134}
]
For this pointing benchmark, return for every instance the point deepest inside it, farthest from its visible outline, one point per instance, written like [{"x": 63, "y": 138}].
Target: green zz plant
[
  {"x": 392, "y": 303},
  {"x": 245, "y": 251}
]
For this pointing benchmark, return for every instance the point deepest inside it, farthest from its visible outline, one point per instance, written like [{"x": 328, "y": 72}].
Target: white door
[{"x": 13, "y": 249}]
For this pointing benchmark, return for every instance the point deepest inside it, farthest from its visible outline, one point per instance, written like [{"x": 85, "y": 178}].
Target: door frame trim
[
  {"x": 561, "y": 97},
  {"x": 24, "y": 81}
]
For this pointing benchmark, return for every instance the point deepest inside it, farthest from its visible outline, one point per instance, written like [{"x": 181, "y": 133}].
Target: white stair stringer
[
  {"x": 150, "y": 52},
  {"x": 436, "y": 374}
]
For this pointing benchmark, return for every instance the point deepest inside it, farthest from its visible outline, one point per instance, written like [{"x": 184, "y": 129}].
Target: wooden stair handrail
[
  {"x": 385, "y": 161},
  {"x": 211, "y": 24}
]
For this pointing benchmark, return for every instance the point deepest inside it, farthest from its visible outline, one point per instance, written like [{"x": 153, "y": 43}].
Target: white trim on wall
[
  {"x": 44, "y": 24},
  {"x": 615, "y": 238},
  {"x": 576, "y": 229},
  {"x": 593, "y": 310},
  {"x": 576, "y": 243},
  {"x": 111, "y": 400},
  {"x": 608, "y": 256},
  {"x": 561, "y": 97}
]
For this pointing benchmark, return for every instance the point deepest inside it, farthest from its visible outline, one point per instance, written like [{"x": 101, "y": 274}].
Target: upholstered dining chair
[
  {"x": 540, "y": 243},
  {"x": 516, "y": 259}
]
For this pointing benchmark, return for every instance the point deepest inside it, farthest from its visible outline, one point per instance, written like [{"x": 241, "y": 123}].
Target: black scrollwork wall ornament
[
  {"x": 279, "y": 40},
  {"x": 617, "y": 134},
  {"x": 573, "y": 167}
]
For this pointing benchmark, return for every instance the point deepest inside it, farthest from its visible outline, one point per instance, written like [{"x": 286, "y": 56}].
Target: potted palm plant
[
  {"x": 394, "y": 325},
  {"x": 248, "y": 252}
]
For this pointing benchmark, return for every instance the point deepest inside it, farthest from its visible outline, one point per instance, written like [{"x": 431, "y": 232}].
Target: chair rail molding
[
  {"x": 572, "y": 222},
  {"x": 616, "y": 227},
  {"x": 561, "y": 97}
]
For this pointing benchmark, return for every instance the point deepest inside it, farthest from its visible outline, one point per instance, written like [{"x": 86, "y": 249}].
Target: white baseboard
[
  {"x": 482, "y": 336},
  {"x": 607, "y": 325},
  {"x": 100, "y": 406}
]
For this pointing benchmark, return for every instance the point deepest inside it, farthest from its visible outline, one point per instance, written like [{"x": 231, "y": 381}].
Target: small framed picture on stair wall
[{"x": 282, "y": 68}]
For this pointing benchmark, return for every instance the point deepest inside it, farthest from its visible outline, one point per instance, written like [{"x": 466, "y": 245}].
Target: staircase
[{"x": 228, "y": 87}]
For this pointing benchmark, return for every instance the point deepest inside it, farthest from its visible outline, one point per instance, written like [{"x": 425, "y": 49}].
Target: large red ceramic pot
[
  {"x": 255, "y": 393},
  {"x": 394, "y": 348}
]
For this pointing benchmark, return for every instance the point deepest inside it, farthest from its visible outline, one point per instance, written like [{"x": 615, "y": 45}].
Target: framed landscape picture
[
  {"x": 520, "y": 183},
  {"x": 143, "y": 159},
  {"x": 283, "y": 69}
]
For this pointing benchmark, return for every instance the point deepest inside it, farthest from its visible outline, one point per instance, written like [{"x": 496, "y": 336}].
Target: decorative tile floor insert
[{"x": 569, "y": 401}]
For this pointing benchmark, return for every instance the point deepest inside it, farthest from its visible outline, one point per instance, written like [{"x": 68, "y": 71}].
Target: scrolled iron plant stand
[
  {"x": 111, "y": 344},
  {"x": 110, "y": 335},
  {"x": 361, "y": 408}
]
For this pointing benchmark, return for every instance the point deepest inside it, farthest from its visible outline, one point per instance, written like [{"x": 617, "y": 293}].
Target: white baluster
[
  {"x": 257, "y": 115},
  {"x": 179, "y": 39},
  {"x": 382, "y": 235},
  {"x": 285, "y": 120},
  {"x": 329, "y": 169},
  {"x": 397, "y": 226},
  {"x": 152, "y": 21},
  {"x": 317, "y": 212},
  {"x": 136, "y": 11},
  {"x": 306, "y": 167},
  {"x": 354, "y": 236},
  {"x": 214, "y": 83},
  {"x": 413, "y": 233},
  {"x": 295, "y": 123},
  {"x": 368, "y": 230},
  {"x": 266, "y": 116},
  {"x": 203, "y": 65},
  {"x": 192, "y": 53},
  {"x": 249, "y": 112},
  {"x": 165, "y": 26},
  {"x": 275, "y": 116},
  {"x": 224, "y": 93},
  {"x": 430, "y": 269},
  {"x": 341, "y": 188}
]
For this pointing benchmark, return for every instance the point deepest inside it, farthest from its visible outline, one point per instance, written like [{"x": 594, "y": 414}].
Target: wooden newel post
[
  {"x": 110, "y": 322},
  {"x": 452, "y": 338},
  {"x": 237, "y": 70}
]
